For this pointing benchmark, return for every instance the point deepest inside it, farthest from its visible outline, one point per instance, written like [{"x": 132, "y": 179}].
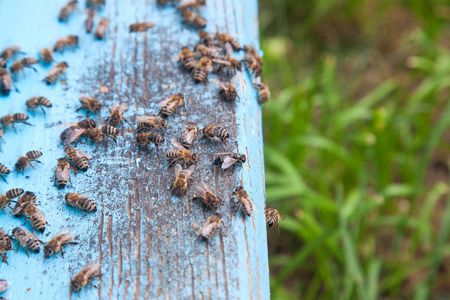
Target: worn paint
[{"x": 141, "y": 234}]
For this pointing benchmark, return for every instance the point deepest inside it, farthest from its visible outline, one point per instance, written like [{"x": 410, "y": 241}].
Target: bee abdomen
[
  {"x": 32, "y": 155},
  {"x": 221, "y": 132},
  {"x": 19, "y": 117},
  {"x": 14, "y": 193},
  {"x": 109, "y": 130},
  {"x": 87, "y": 204},
  {"x": 81, "y": 163},
  {"x": 173, "y": 153},
  {"x": 248, "y": 208},
  {"x": 38, "y": 223},
  {"x": 4, "y": 170},
  {"x": 200, "y": 22},
  {"x": 199, "y": 75},
  {"x": 34, "y": 245}
]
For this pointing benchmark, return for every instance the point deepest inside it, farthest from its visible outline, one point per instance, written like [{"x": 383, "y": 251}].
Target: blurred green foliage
[{"x": 357, "y": 147}]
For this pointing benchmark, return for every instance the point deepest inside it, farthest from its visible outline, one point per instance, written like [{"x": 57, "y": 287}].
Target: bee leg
[
  {"x": 92, "y": 284},
  {"x": 18, "y": 245},
  {"x": 62, "y": 253},
  {"x": 28, "y": 253},
  {"x": 42, "y": 109},
  {"x": 33, "y": 68},
  {"x": 4, "y": 257},
  {"x": 14, "y": 128},
  {"x": 4, "y": 179},
  {"x": 79, "y": 207},
  {"x": 31, "y": 166},
  {"x": 239, "y": 207},
  {"x": 221, "y": 231}
]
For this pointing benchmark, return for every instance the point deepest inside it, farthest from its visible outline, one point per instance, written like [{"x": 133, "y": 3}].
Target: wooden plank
[{"x": 141, "y": 234}]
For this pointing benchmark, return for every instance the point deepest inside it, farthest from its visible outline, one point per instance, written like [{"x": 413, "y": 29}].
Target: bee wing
[
  {"x": 123, "y": 108},
  {"x": 282, "y": 216},
  {"x": 201, "y": 192},
  {"x": 229, "y": 50},
  {"x": 31, "y": 235},
  {"x": 178, "y": 169},
  {"x": 177, "y": 145},
  {"x": 190, "y": 170},
  {"x": 176, "y": 58},
  {"x": 228, "y": 162},
  {"x": 66, "y": 125},
  {"x": 206, "y": 187},
  {"x": 220, "y": 61},
  {"x": 206, "y": 228},
  {"x": 73, "y": 136},
  {"x": 238, "y": 81},
  {"x": 164, "y": 102},
  {"x": 219, "y": 83},
  {"x": 146, "y": 119},
  {"x": 189, "y": 135}
]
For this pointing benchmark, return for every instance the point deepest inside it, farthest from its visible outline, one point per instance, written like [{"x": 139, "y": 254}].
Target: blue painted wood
[{"x": 141, "y": 234}]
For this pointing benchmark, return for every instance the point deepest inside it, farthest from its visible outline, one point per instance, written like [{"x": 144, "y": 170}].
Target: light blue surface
[{"x": 141, "y": 235}]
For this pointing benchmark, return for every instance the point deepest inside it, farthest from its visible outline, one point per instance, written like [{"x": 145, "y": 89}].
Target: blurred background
[{"x": 357, "y": 147}]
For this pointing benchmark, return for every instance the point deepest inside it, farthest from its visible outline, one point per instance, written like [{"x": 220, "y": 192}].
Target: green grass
[{"x": 357, "y": 147}]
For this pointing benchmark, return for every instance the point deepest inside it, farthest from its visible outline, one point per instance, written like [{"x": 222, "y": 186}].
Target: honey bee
[
  {"x": 4, "y": 285},
  {"x": 74, "y": 132},
  {"x": 206, "y": 39},
  {"x": 27, "y": 198},
  {"x": 25, "y": 161},
  {"x": 4, "y": 202},
  {"x": 145, "y": 122},
  {"x": 191, "y": 4},
  {"x": 180, "y": 154},
  {"x": 81, "y": 202},
  {"x": 90, "y": 104},
  {"x": 189, "y": 134},
  {"x": 4, "y": 171},
  {"x": 153, "y": 136},
  {"x": 244, "y": 201},
  {"x": 166, "y": 2},
  {"x": 57, "y": 243},
  {"x": 227, "y": 90},
  {"x": 210, "y": 227},
  {"x": 54, "y": 73},
  {"x": 102, "y": 132},
  {"x": 62, "y": 174},
  {"x": 24, "y": 63},
  {"x": 252, "y": 60},
  {"x": 36, "y": 217},
  {"x": 191, "y": 18},
  {"x": 273, "y": 216},
  {"x": 89, "y": 23},
  {"x": 116, "y": 118},
  {"x": 85, "y": 276},
  {"x": 67, "y": 41},
  {"x": 182, "y": 179},
  {"x": 226, "y": 160},
  {"x": 5, "y": 82},
  {"x": 34, "y": 102},
  {"x": 139, "y": 27},
  {"x": 201, "y": 69},
  {"x": 2, "y": 63},
  {"x": 101, "y": 28},
  {"x": 231, "y": 64},
  {"x": 27, "y": 240},
  {"x": 186, "y": 58},
  {"x": 78, "y": 158},
  {"x": 205, "y": 194},
  {"x": 10, "y": 52},
  {"x": 14, "y": 118},
  {"x": 224, "y": 38},
  {"x": 5, "y": 246},
  {"x": 14, "y": 193},
  {"x": 212, "y": 53},
  {"x": 47, "y": 55},
  {"x": 66, "y": 10},
  {"x": 169, "y": 105},
  {"x": 212, "y": 131},
  {"x": 263, "y": 92},
  {"x": 94, "y": 3}
]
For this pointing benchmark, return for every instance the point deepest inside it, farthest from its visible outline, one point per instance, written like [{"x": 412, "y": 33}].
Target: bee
[
  {"x": 81, "y": 202},
  {"x": 23, "y": 63},
  {"x": 67, "y": 41},
  {"x": 94, "y": 3},
  {"x": 14, "y": 118},
  {"x": 62, "y": 174},
  {"x": 212, "y": 131},
  {"x": 1, "y": 141},
  {"x": 101, "y": 28},
  {"x": 5, "y": 246},
  {"x": 206, "y": 39},
  {"x": 205, "y": 194},
  {"x": 74, "y": 132},
  {"x": 189, "y": 134},
  {"x": 5, "y": 82},
  {"x": 89, "y": 23},
  {"x": 4, "y": 171},
  {"x": 252, "y": 60},
  {"x": 191, "y": 18},
  {"x": 212, "y": 53},
  {"x": 186, "y": 58},
  {"x": 231, "y": 64},
  {"x": 227, "y": 90},
  {"x": 166, "y": 2},
  {"x": 226, "y": 160},
  {"x": 2, "y": 63},
  {"x": 210, "y": 227},
  {"x": 263, "y": 92},
  {"x": 26, "y": 160},
  {"x": 102, "y": 132},
  {"x": 244, "y": 201},
  {"x": 273, "y": 216},
  {"x": 182, "y": 179},
  {"x": 14, "y": 193},
  {"x": 10, "y": 52},
  {"x": 27, "y": 240},
  {"x": 116, "y": 118},
  {"x": 3, "y": 235},
  {"x": 153, "y": 136},
  {"x": 57, "y": 243},
  {"x": 169, "y": 105},
  {"x": 85, "y": 276},
  {"x": 180, "y": 154},
  {"x": 47, "y": 55},
  {"x": 36, "y": 217},
  {"x": 201, "y": 69},
  {"x": 77, "y": 157},
  {"x": 224, "y": 38},
  {"x": 90, "y": 104},
  {"x": 139, "y": 27},
  {"x": 34, "y": 102},
  {"x": 27, "y": 198},
  {"x": 54, "y": 73},
  {"x": 66, "y": 10},
  {"x": 145, "y": 122},
  {"x": 4, "y": 202},
  {"x": 191, "y": 4},
  {"x": 4, "y": 285}
]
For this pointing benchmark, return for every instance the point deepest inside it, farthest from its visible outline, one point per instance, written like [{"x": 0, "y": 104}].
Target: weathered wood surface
[{"x": 141, "y": 235}]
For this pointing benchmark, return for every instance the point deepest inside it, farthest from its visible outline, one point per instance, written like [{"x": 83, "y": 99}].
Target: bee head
[
  {"x": 194, "y": 157},
  {"x": 239, "y": 188},
  {"x": 164, "y": 123},
  {"x": 47, "y": 251},
  {"x": 243, "y": 158},
  {"x": 92, "y": 123},
  {"x": 218, "y": 215}
]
